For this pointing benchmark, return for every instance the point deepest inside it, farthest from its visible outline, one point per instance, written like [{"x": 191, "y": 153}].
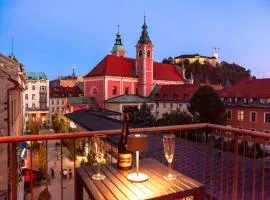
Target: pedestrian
[
  {"x": 70, "y": 173},
  {"x": 65, "y": 172},
  {"x": 52, "y": 173}
]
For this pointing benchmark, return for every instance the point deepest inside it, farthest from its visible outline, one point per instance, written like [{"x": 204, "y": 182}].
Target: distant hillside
[{"x": 224, "y": 73}]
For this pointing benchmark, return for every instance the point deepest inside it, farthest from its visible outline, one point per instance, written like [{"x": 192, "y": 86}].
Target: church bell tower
[{"x": 144, "y": 63}]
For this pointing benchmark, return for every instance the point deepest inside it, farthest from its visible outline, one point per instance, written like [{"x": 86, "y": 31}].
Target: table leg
[{"x": 78, "y": 187}]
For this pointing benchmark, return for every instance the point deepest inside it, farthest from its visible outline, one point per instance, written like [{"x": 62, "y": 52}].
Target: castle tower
[
  {"x": 144, "y": 63},
  {"x": 118, "y": 48}
]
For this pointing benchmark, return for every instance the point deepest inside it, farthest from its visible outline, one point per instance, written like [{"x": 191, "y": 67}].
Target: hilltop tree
[{"x": 206, "y": 106}]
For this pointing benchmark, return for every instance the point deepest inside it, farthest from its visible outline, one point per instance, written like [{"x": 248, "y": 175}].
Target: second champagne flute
[{"x": 169, "y": 145}]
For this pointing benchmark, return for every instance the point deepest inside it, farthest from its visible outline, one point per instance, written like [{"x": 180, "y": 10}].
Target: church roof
[
  {"x": 183, "y": 92},
  {"x": 128, "y": 98},
  {"x": 112, "y": 65}
]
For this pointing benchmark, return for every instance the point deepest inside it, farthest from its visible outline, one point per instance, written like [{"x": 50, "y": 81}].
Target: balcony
[{"x": 230, "y": 163}]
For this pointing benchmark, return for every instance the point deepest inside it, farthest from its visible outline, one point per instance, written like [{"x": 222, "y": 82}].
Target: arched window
[
  {"x": 148, "y": 54},
  {"x": 140, "y": 53},
  {"x": 94, "y": 91}
]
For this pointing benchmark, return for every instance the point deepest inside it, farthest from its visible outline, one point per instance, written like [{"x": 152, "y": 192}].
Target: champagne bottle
[{"x": 124, "y": 156}]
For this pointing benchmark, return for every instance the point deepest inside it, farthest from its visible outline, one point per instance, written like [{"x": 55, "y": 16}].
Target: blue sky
[{"x": 51, "y": 36}]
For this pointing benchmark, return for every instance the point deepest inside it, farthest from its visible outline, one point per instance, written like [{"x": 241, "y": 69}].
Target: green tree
[
  {"x": 206, "y": 106},
  {"x": 144, "y": 115},
  {"x": 33, "y": 128},
  {"x": 40, "y": 156},
  {"x": 175, "y": 118}
]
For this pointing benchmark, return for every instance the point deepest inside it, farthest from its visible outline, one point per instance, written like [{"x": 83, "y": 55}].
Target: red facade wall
[
  {"x": 99, "y": 85},
  {"x": 112, "y": 84},
  {"x": 259, "y": 125},
  {"x": 129, "y": 86}
]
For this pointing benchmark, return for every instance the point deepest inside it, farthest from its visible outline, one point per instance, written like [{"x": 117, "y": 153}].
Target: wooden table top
[{"x": 117, "y": 186}]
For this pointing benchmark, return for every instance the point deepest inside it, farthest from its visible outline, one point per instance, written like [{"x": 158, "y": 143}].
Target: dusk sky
[{"x": 50, "y": 36}]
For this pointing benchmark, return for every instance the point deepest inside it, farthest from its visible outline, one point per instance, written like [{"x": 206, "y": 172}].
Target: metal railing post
[
  {"x": 14, "y": 173},
  {"x": 235, "y": 168}
]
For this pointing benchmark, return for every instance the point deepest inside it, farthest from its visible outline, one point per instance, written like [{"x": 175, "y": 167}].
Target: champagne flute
[
  {"x": 169, "y": 145},
  {"x": 99, "y": 147}
]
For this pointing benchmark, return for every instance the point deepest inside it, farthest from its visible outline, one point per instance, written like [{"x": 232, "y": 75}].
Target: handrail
[{"x": 8, "y": 139}]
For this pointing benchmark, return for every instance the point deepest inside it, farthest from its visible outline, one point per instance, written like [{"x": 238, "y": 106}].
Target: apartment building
[
  {"x": 248, "y": 105},
  {"x": 36, "y": 97}
]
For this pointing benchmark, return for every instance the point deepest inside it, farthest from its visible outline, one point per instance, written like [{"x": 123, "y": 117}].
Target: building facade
[
  {"x": 58, "y": 96},
  {"x": 248, "y": 105},
  {"x": 36, "y": 97},
  {"x": 12, "y": 84},
  {"x": 117, "y": 75}
]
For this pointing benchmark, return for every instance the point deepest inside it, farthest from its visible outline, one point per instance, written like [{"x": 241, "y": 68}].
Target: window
[
  {"x": 57, "y": 110},
  {"x": 253, "y": 116},
  {"x": 157, "y": 105},
  {"x": 126, "y": 90},
  {"x": 148, "y": 54},
  {"x": 52, "y": 109},
  {"x": 26, "y": 96},
  {"x": 240, "y": 115},
  {"x": 229, "y": 114},
  {"x": 180, "y": 105},
  {"x": 57, "y": 102},
  {"x": 267, "y": 118},
  {"x": 33, "y": 96},
  {"x": 33, "y": 87},
  {"x": 230, "y": 100},
  {"x": 250, "y": 100},
  {"x": 52, "y": 102},
  {"x": 171, "y": 105},
  {"x": 33, "y": 105},
  {"x": 235, "y": 100},
  {"x": 26, "y": 105},
  {"x": 63, "y": 101},
  {"x": 253, "y": 129},
  {"x": 62, "y": 109},
  {"x": 26, "y": 87},
  {"x": 94, "y": 91},
  {"x": 114, "y": 90},
  {"x": 265, "y": 131},
  {"x": 164, "y": 105},
  {"x": 140, "y": 53},
  {"x": 136, "y": 91}
]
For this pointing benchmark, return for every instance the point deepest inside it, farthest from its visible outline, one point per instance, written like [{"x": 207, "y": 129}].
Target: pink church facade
[{"x": 116, "y": 74}]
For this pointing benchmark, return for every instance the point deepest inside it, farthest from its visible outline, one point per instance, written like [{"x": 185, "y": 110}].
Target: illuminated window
[
  {"x": 114, "y": 90},
  {"x": 240, "y": 115},
  {"x": 253, "y": 116}
]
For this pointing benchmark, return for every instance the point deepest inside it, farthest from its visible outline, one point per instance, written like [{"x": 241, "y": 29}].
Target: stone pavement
[{"x": 54, "y": 185}]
